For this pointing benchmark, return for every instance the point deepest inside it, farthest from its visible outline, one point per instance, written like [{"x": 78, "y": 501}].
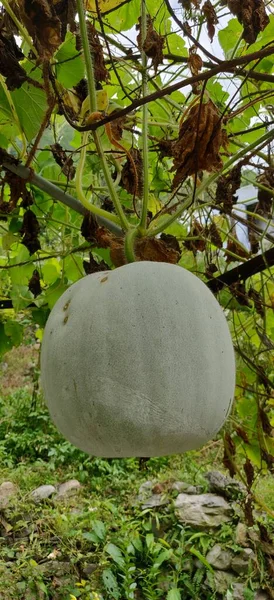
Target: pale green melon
[{"x": 138, "y": 362}]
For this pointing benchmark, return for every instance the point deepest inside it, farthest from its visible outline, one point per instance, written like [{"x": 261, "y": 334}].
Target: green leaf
[
  {"x": 111, "y": 584},
  {"x": 173, "y": 594},
  {"x": 14, "y": 331},
  {"x": 99, "y": 529},
  {"x": 91, "y": 537},
  {"x": 70, "y": 68},
  {"x": 40, "y": 316},
  {"x": 31, "y": 105},
  {"x": 230, "y": 36},
  {"x": 164, "y": 555},
  {"x": 126, "y": 16},
  {"x": 54, "y": 292},
  {"x": 201, "y": 558},
  {"x": 150, "y": 540},
  {"x": 116, "y": 554},
  {"x": 5, "y": 340},
  {"x": 176, "y": 45}
]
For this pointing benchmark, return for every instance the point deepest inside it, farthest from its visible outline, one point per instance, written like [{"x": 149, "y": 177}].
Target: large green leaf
[
  {"x": 70, "y": 68},
  {"x": 230, "y": 36},
  {"x": 30, "y": 105},
  {"x": 126, "y": 16}
]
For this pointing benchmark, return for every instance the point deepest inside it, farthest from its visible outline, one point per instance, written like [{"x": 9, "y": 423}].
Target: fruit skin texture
[{"x": 138, "y": 362}]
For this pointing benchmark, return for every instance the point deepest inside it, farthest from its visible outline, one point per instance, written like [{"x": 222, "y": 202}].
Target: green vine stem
[
  {"x": 143, "y": 220},
  {"x": 205, "y": 184},
  {"x": 100, "y": 212},
  {"x": 93, "y": 108},
  {"x": 130, "y": 238},
  {"x": 20, "y": 27}
]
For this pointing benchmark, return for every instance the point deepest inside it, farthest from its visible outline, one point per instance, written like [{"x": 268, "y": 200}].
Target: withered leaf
[
  {"x": 89, "y": 228},
  {"x": 34, "y": 284},
  {"x": 249, "y": 471},
  {"x": 30, "y": 230},
  {"x": 145, "y": 249},
  {"x": 265, "y": 198},
  {"x": 269, "y": 459},
  {"x": 153, "y": 45},
  {"x": 211, "y": 18},
  {"x": 242, "y": 434},
  {"x": 252, "y": 15},
  {"x": 66, "y": 11},
  {"x": 239, "y": 292},
  {"x": 213, "y": 234},
  {"x": 116, "y": 126},
  {"x": 234, "y": 247},
  {"x": 226, "y": 187},
  {"x": 92, "y": 266},
  {"x": 200, "y": 139},
  {"x": 10, "y": 68},
  {"x": 17, "y": 190},
  {"x": 132, "y": 173},
  {"x": 171, "y": 241},
  {"x": 194, "y": 61},
  {"x": 64, "y": 161},
  {"x": 44, "y": 26},
  {"x": 197, "y": 230},
  {"x": 229, "y": 454},
  {"x": 100, "y": 71},
  {"x": 266, "y": 425},
  {"x": 248, "y": 511}
]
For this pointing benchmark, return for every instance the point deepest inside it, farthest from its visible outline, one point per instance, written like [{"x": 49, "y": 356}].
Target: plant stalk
[
  {"x": 93, "y": 108},
  {"x": 143, "y": 220}
]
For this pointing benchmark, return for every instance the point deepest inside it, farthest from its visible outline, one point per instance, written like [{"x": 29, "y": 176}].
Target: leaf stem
[
  {"x": 143, "y": 220},
  {"x": 130, "y": 238},
  {"x": 93, "y": 108}
]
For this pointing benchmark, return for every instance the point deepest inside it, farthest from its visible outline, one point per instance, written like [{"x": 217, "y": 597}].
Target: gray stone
[
  {"x": 7, "y": 490},
  {"x": 56, "y": 567},
  {"x": 241, "y": 534},
  {"x": 261, "y": 595},
  {"x": 219, "y": 558},
  {"x": 238, "y": 591},
  {"x": 155, "y": 500},
  {"x": 241, "y": 562},
  {"x": 222, "y": 581},
  {"x": 68, "y": 488},
  {"x": 223, "y": 485},
  {"x": 144, "y": 487},
  {"x": 205, "y": 510},
  {"x": 89, "y": 569},
  {"x": 42, "y": 492},
  {"x": 182, "y": 486}
]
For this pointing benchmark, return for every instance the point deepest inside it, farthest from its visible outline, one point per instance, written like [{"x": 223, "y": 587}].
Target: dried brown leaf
[
  {"x": 153, "y": 45},
  {"x": 252, "y": 15},
  {"x": 211, "y": 18},
  {"x": 249, "y": 471},
  {"x": 132, "y": 173},
  {"x": 200, "y": 139},
  {"x": 34, "y": 284},
  {"x": 100, "y": 71},
  {"x": 64, "y": 161},
  {"x": 42, "y": 23},
  {"x": 226, "y": 188},
  {"x": 30, "y": 230}
]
